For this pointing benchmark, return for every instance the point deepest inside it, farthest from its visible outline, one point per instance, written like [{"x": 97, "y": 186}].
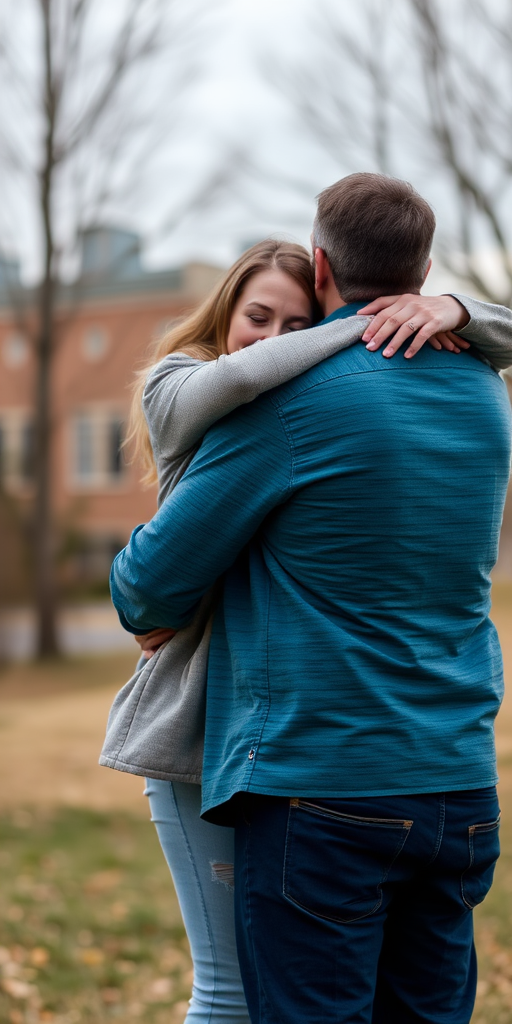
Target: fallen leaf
[
  {"x": 160, "y": 990},
  {"x": 18, "y": 989},
  {"x": 110, "y": 995},
  {"x": 102, "y": 881},
  {"x": 92, "y": 956},
  {"x": 39, "y": 956}
]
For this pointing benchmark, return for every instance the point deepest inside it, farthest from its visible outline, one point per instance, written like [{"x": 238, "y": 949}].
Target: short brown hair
[{"x": 377, "y": 234}]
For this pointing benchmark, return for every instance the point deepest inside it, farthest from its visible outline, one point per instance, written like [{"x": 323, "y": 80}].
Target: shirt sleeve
[
  {"x": 184, "y": 397},
  {"x": 489, "y": 330},
  {"x": 241, "y": 472}
]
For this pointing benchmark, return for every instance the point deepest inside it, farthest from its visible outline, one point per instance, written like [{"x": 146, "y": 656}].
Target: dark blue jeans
[{"x": 360, "y": 910}]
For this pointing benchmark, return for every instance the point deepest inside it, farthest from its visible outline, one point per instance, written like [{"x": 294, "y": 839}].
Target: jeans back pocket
[
  {"x": 484, "y": 850},
  {"x": 335, "y": 863}
]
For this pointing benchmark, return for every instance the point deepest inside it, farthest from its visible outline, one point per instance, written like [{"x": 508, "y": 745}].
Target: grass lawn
[{"x": 90, "y": 930}]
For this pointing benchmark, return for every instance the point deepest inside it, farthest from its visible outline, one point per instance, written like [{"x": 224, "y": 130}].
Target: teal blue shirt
[{"x": 355, "y": 515}]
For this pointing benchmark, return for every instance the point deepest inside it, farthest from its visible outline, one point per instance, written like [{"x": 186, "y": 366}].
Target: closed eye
[{"x": 299, "y": 325}]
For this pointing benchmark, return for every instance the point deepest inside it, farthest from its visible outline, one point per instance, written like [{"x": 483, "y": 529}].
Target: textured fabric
[
  {"x": 360, "y": 911},
  {"x": 492, "y": 334},
  {"x": 356, "y": 514},
  {"x": 200, "y": 857},
  {"x": 183, "y": 397},
  {"x": 156, "y": 724}
]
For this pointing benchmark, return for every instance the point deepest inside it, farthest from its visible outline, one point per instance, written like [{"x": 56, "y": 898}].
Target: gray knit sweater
[{"x": 156, "y": 723}]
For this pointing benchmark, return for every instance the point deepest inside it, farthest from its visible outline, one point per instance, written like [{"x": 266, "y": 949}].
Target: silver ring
[{"x": 411, "y": 326}]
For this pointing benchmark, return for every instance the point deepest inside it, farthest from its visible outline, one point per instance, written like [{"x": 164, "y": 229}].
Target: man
[{"x": 354, "y": 674}]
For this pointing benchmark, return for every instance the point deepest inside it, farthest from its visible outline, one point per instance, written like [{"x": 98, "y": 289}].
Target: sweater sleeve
[
  {"x": 183, "y": 397},
  {"x": 489, "y": 330}
]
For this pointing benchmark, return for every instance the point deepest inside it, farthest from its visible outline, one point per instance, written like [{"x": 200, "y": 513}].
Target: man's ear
[
  {"x": 429, "y": 264},
  {"x": 321, "y": 270}
]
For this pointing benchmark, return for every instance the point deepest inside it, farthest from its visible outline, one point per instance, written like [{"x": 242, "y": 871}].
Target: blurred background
[{"x": 144, "y": 144}]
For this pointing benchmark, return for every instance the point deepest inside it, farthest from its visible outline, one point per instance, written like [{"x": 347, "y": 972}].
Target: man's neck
[
  {"x": 332, "y": 303},
  {"x": 330, "y": 299}
]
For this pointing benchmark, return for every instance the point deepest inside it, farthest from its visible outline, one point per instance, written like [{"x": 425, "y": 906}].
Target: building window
[
  {"x": 96, "y": 448},
  {"x": 94, "y": 343},
  {"x": 93, "y": 557},
  {"x": 15, "y": 350},
  {"x": 85, "y": 447},
  {"x": 17, "y": 449},
  {"x": 27, "y": 452}
]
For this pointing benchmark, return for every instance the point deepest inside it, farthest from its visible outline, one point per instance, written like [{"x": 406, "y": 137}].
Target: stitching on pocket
[
  {"x": 328, "y": 813},
  {"x": 485, "y": 827},
  {"x": 405, "y": 827}
]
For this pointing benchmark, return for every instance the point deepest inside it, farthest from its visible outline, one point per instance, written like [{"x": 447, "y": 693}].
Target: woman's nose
[{"x": 272, "y": 330}]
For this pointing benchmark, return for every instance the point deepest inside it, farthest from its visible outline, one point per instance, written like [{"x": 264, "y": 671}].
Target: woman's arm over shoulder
[
  {"x": 489, "y": 330},
  {"x": 183, "y": 397},
  {"x": 273, "y": 361},
  {"x": 174, "y": 406}
]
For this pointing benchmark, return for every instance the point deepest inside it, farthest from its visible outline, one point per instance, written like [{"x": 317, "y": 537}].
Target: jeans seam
[
  {"x": 440, "y": 828},
  {"x": 200, "y": 889},
  {"x": 249, "y": 925}
]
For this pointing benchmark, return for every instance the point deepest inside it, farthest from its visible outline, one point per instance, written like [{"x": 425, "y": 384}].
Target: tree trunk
[{"x": 44, "y": 541}]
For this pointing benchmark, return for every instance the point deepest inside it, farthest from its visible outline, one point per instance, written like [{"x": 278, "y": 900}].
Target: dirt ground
[{"x": 52, "y": 722}]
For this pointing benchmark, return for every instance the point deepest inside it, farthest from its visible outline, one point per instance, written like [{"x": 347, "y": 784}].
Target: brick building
[{"x": 107, "y": 321}]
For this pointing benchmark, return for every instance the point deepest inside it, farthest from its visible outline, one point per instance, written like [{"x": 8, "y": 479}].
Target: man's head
[{"x": 376, "y": 233}]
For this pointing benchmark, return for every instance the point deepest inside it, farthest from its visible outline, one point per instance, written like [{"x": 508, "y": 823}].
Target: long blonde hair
[{"x": 203, "y": 334}]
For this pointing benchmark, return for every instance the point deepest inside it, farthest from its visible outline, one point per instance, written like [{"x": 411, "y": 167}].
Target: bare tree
[
  {"x": 86, "y": 104},
  {"x": 422, "y": 89}
]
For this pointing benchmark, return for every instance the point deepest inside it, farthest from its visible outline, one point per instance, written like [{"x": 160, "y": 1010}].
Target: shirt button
[{"x": 251, "y": 755}]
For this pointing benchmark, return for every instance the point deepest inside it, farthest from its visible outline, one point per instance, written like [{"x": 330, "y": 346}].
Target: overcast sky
[
  {"x": 237, "y": 105},
  {"x": 231, "y": 113}
]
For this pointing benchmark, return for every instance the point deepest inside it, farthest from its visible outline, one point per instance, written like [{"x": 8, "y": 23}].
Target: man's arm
[{"x": 241, "y": 472}]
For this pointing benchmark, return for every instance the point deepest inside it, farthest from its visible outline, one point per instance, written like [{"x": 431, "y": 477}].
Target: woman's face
[{"x": 271, "y": 303}]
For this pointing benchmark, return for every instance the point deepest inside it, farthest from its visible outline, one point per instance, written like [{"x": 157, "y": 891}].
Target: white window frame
[
  {"x": 99, "y": 420},
  {"x": 13, "y": 423}
]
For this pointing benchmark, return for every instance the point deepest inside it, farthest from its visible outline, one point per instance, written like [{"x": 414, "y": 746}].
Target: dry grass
[
  {"x": 89, "y": 925},
  {"x": 52, "y": 722}
]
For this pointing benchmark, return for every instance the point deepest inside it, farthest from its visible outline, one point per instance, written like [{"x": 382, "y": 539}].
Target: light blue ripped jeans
[{"x": 200, "y": 858}]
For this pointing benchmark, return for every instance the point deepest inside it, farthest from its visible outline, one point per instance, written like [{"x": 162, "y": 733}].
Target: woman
[{"x": 204, "y": 368}]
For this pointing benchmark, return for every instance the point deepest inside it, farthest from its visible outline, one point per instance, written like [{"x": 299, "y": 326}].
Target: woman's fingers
[
  {"x": 386, "y": 323},
  {"x": 405, "y": 316},
  {"x": 445, "y": 340},
  {"x": 458, "y": 342},
  {"x": 405, "y": 334},
  {"x": 150, "y": 642}
]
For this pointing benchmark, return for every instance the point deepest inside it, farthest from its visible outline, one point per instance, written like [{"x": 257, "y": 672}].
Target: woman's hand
[
  {"x": 150, "y": 642},
  {"x": 428, "y": 317}
]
